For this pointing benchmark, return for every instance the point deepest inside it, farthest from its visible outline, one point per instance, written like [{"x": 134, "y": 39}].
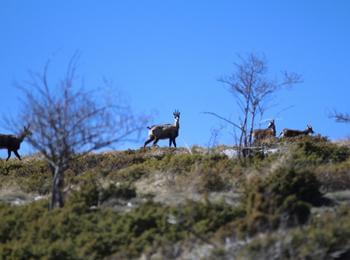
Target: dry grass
[{"x": 345, "y": 141}]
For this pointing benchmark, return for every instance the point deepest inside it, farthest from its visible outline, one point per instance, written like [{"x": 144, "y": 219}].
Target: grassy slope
[{"x": 169, "y": 203}]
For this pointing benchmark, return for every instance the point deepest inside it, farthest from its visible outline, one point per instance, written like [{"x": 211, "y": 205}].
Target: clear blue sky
[{"x": 167, "y": 55}]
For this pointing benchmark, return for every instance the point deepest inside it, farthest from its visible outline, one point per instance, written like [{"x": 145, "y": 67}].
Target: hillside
[{"x": 198, "y": 203}]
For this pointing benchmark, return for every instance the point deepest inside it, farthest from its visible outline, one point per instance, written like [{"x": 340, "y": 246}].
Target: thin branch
[
  {"x": 224, "y": 119},
  {"x": 340, "y": 117}
]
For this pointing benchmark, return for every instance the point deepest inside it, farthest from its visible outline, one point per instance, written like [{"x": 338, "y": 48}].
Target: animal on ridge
[
  {"x": 286, "y": 133},
  {"x": 164, "y": 131},
  {"x": 13, "y": 143},
  {"x": 261, "y": 134}
]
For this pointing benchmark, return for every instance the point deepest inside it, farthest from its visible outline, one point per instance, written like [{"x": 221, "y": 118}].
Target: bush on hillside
[
  {"x": 334, "y": 177},
  {"x": 29, "y": 176},
  {"x": 327, "y": 237},
  {"x": 92, "y": 194},
  {"x": 316, "y": 151},
  {"x": 33, "y": 232},
  {"x": 282, "y": 198}
]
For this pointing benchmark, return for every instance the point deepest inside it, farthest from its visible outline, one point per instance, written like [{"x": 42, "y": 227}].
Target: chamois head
[
  {"x": 26, "y": 131},
  {"x": 176, "y": 114},
  {"x": 309, "y": 129},
  {"x": 271, "y": 124}
]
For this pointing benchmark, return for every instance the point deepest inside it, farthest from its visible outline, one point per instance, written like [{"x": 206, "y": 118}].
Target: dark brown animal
[
  {"x": 261, "y": 134},
  {"x": 12, "y": 143},
  {"x": 166, "y": 131},
  {"x": 293, "y": 133}
]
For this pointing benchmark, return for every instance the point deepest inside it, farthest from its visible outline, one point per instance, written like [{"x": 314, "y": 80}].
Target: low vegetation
[
  {"x": 325, "y": 237},
  {"x": 176, "y": 203},
  {"x": 283, "y": 198},
  {"x": 76, "y": 231}
]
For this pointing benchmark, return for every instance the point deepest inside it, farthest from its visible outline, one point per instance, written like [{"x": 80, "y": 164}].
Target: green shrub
[
  {"x": 123, "y": 191},
  {"x": 334, "y": 176},
  {"x": 205, "y": 218},
  {"x": 31, "y": 231},
  {"x": 107, "y": 162},
  {"x": 215, "y": 171},
  {"x": 87, "y": 195},
  {"x": 317, "y": 151},
  {"x": 92, "y": 193},
  {"x": 326, "y": 237},
  {"x": 211, "y": 172},
  {"x": 129, "y": 174},
  {"x": 211, "y": 178},
  {"x": 29, "y": 176},
  {"x": 282, "y": 198}
]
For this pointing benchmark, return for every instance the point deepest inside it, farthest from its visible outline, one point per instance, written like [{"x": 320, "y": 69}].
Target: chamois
[
  {"x": 166, "y": 131},
  {"x": 293, "y": 133},
  {"x": 270, "y": 131},
  {"x": 12, "y": 143}
]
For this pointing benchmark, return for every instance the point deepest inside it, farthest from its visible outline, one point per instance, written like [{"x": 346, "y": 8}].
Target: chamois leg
[
  {"x": 16, "y": 153},
  {"x": 9, "y": 155},
  {"x": 174, "y": 142},
  {"x": 170, "y": 141},
  {"x": 148, "y": 141},
  {"x": 155, "y": 142}
]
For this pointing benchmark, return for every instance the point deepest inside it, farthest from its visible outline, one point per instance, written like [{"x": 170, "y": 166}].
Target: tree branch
[{"x": 224, "y": 119}]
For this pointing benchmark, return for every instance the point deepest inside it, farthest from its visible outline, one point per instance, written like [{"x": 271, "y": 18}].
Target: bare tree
[
  {"x": 252, "y": 90},
  {"x": 214, "y": 137},
  {"x": 341, "y": 117},
  {"x": 69, "y": 121}
]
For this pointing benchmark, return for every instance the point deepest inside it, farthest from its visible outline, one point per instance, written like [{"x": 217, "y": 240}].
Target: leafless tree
[
  {"x": 214, "y": 136},
  {"x": 341, "y": 117},
  {"x": 68, "y": 121},
  {"x": 252, "y": 90}
]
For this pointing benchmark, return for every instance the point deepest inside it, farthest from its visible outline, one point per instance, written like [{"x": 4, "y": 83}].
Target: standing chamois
[
  {"x": 293, "y": 133},
  {"x": 12, "y": 143},
  {"x": 166, "y": 131},
  {"x": 261, "y": 134}
]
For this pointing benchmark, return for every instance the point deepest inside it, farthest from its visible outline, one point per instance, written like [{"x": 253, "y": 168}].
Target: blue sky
[{"x": 166, "y": 55}]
